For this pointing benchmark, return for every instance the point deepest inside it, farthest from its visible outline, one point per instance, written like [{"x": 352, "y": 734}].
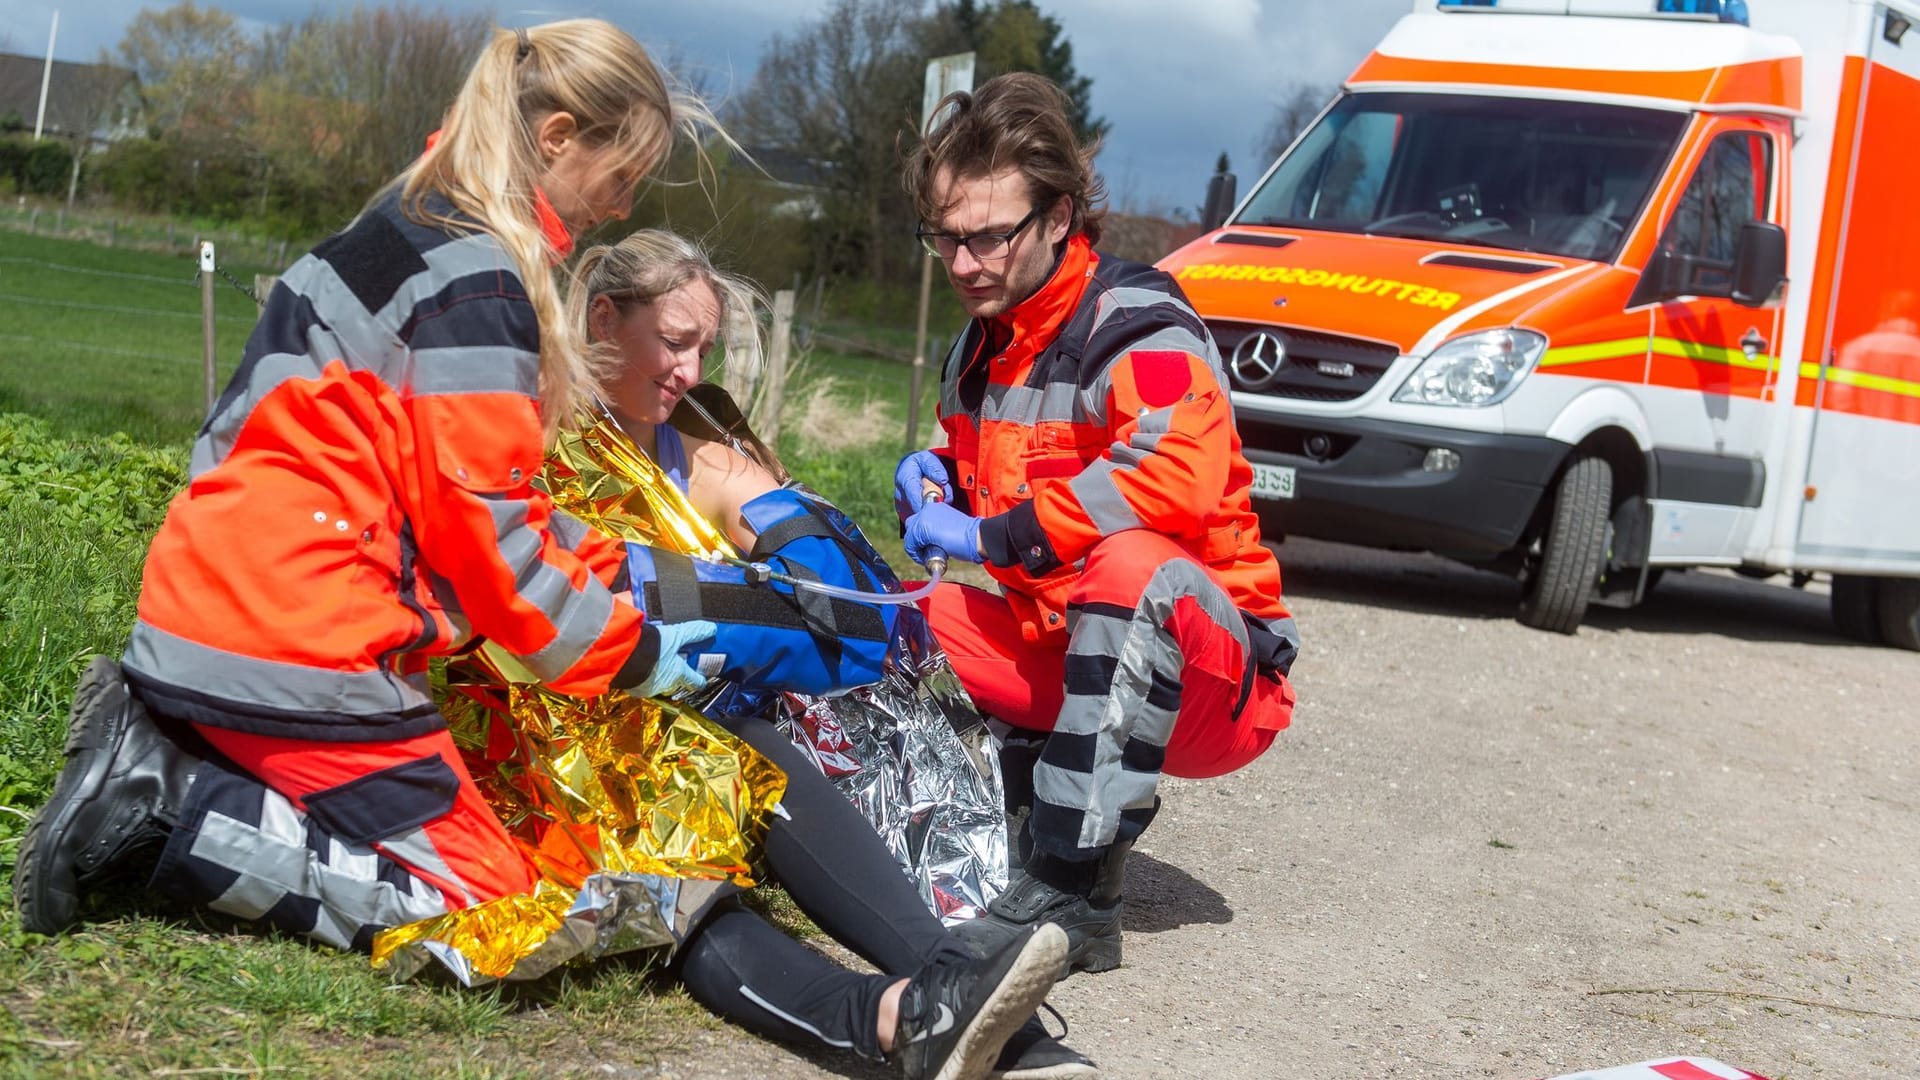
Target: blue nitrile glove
[
  {"x": 908, "y": 492},
  {"x": 671, "y": 673},
  {"x": 939, "y": 525}
]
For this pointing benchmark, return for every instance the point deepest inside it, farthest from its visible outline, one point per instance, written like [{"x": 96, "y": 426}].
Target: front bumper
[{"x": 1361, "y": 481}]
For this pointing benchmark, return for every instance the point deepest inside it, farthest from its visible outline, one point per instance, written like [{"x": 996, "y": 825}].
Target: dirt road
[{"x": 1479, "y": 845}]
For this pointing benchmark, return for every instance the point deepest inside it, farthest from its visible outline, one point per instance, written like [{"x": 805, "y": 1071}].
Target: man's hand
[
  {"x": 910, "y": 482},
  {"x": 672, "y": 674},
  {"x": 939, "y": 525}
]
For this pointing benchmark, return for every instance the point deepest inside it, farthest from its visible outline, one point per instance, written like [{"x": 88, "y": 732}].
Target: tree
[
  {"x": 1015, "y": 35},
  {"x": 1298, "y": 105},
  {"x": 190, "y": 61},
  {"x": 843, "y": 91}
]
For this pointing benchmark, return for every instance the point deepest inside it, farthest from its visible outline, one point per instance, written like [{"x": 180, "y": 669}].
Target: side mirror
[
  {"x": 1220, "y": 198},
  {"x": 1759, "y": 263}
]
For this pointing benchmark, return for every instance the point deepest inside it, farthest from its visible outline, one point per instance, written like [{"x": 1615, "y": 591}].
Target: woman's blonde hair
[
  {"x": 486, "y": 162},
  {"x": 651, "y": 263}
]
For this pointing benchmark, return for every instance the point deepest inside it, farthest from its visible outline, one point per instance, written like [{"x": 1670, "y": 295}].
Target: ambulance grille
[{"x": 1318, "y": 366}]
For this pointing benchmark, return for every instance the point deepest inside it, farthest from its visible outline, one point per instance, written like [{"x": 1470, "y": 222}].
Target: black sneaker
[
  {"x": 956, "y": 1015},
  {"x": 120, "y": 791},
  {"x": 1093, "y": 930},
  {"x": 1033, "y": 1054}
]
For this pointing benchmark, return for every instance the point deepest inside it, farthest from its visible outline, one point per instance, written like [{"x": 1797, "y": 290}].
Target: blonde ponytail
[{"x": 487, "y": 165}]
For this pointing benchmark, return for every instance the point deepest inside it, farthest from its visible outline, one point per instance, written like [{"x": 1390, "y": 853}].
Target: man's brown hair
[{"x": 1020, "y": 121}]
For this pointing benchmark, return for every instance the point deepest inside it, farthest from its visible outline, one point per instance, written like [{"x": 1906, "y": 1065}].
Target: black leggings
[{"x": 836, "y": 869}]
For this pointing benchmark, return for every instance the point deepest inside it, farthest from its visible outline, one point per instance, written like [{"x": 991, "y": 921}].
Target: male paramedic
[{"x": 1093, "y": 467}]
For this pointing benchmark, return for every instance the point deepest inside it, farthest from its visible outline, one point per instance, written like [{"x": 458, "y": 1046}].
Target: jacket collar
[
  {"x": 559, "y": 238},
  {"x": 1035, "y": 320}
]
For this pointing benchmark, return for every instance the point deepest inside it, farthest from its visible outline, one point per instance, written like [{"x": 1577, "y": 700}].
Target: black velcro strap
[
  {"x": 782, "y": 533},
  {"x": 677, "y": 587}
]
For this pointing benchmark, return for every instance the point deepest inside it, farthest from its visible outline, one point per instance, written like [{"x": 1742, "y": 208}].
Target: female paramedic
[
  {"x": 361, "y": 500},
  {"x": 657, "y": 301}
]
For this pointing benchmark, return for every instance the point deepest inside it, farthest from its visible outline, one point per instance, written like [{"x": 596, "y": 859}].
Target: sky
[{"x": 1179, "y": 81}]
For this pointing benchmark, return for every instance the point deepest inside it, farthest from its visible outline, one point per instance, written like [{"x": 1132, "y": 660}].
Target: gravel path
[{"x": 1479, "y": 845}]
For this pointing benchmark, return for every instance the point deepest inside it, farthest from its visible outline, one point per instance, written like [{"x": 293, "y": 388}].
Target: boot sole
[
  {"x": 46, "y": 882},
  {"x": 1020, "y": 992}
]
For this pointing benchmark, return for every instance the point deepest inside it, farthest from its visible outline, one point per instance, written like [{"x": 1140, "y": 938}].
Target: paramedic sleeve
[
  {"x": 1171, "y": 429},
  {"x": 537, "y": 582}
]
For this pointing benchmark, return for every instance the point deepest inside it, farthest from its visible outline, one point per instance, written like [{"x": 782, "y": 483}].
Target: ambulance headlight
[{"x": 1474, "y": 370}]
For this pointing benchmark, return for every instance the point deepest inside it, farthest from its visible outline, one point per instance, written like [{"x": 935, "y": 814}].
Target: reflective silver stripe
[
  {"x": 1170, "y": 339},
  {"x": 268, "y": 684},
  {"x": 1101, "y": 499},
  {"x": 748, "y": 993},
  {"x": 365, "y": 341},
  {"x": 474, "y": 253},
  {"x": 475, "y": 369},
  {"x": 270, "y": 865},
  {"x": 1285, "y": 628},
  {"x": 1014, "y": 404},
  {"x": 1125, "y": 300},
  {"x": 1157, "y": 422},
  {"x": 1062, "y": 401},
  {"x": 414, "y": 849},
  {"x": 449, "y": 601},
  {"x": 570, "y": 531},
  {"x": 578, "y": 617},
  {"x": 1140, "y": 646}
]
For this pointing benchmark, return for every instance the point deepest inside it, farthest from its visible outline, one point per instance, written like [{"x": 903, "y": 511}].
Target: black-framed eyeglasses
[{"x": 985, "y": 245}]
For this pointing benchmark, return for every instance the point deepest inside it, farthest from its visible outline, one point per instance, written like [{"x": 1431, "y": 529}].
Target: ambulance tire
[
  {"x": 1574, "y": 549},
  {"x": 1855, "y": 601},
  {"x": 1900, "y": 612}
]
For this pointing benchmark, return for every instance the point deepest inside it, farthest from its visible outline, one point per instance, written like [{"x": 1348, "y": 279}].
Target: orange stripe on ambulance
[{"x": 1358, "y": 284}]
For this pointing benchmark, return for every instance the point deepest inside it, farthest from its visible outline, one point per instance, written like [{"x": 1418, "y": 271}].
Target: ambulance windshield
[{"x": 1555, "y": 177}]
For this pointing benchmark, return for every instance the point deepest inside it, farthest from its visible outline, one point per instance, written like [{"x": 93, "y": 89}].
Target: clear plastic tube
[{"x": 936, "y": 569}]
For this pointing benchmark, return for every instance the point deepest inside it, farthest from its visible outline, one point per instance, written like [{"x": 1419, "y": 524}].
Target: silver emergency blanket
[
  {"x": 611, "y": 913},
  {"x": 915, "y": 757}
]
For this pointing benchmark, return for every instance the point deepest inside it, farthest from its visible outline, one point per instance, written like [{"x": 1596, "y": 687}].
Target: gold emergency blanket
[{"x": 637, "y": 815}]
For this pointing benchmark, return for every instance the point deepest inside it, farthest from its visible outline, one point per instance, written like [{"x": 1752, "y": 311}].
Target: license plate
[{"x": 1272, "y": 481}]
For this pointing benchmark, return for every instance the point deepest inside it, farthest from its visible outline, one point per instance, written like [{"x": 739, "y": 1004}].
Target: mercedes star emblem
[{"x": 1257, "y": 360}]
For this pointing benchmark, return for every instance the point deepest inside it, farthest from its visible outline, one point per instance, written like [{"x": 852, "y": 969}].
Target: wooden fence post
[
  {"x": 206, "y": 320},
  {"x": 772, "y": 400}
]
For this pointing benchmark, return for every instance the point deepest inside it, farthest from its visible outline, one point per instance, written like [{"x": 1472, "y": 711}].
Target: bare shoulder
[{"x": 720, "y": 481}]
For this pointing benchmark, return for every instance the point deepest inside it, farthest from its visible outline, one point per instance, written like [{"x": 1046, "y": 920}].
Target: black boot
[
  {"x": 122, "y": 789},
  {"x": 1058, "y": 891}
]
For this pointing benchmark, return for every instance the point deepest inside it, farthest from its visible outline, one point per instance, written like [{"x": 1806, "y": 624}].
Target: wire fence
[{"x": 139, "y": 233}]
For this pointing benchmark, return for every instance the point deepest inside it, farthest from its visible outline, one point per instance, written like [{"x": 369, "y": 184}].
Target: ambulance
[{"x": 1593, "y": 290}]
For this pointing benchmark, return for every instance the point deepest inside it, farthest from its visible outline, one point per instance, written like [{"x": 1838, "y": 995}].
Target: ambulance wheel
[
  {"x": 1900, "y": 612},
  {"x": 1856, "y": 607},
  {"x": 1573, "y": 550}
]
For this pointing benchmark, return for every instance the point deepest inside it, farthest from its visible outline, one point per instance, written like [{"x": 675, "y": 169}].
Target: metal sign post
[{"x": 945, "y": 74}]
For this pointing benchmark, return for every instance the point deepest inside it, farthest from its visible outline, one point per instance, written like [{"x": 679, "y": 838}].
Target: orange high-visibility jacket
[
  {"x": 361, "y": 499},
  {"x": 1092, "y": 407}
]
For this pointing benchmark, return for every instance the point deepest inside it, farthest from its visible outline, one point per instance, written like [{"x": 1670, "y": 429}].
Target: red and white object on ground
[{"x": 1686, "y": 1068}]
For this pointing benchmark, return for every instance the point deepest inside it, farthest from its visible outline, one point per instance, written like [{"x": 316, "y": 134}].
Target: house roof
[{"x": 71, "y": 90}]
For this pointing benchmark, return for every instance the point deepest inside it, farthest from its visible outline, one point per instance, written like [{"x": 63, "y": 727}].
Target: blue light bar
[{"x": 1726, "y": 11}]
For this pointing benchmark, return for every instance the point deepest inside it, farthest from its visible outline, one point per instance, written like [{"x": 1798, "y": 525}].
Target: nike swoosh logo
[{"x": 942, "y": 1023}]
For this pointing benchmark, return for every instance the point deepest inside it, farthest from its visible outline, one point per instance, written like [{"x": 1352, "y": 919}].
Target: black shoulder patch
[{"x": 373, "y": 258}]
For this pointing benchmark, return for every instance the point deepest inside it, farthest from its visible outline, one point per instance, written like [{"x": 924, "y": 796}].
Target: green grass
[{"x": 100, "y": 350}]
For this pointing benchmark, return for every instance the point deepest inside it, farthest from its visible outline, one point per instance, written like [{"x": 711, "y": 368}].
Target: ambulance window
[{"x": 1730, "y": 188}]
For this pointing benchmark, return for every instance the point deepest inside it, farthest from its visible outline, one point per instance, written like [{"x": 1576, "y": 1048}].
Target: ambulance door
[
  {"x": 1712, "y": 364},
  {"x": 1862, "y": 370}
]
